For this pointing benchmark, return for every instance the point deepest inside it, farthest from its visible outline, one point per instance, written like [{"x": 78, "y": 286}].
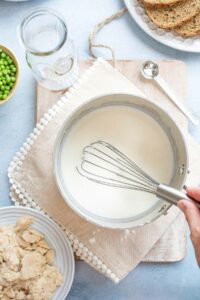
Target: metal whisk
[{"x": 104, "y": 164}]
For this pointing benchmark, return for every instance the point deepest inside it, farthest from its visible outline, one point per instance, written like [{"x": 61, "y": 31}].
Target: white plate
[
  {"x": 57, "y": 239},
  {"x": 166, "y": 37}
]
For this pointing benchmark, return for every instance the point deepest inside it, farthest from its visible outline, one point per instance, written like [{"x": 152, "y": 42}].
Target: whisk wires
[{"x": 104, "y": 164}]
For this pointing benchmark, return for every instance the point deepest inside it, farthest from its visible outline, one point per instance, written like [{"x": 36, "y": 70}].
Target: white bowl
[{"x": 57, "y": 239}]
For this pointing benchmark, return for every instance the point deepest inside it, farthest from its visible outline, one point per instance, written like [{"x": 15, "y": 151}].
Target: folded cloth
[{"x": 113, "y": 252}]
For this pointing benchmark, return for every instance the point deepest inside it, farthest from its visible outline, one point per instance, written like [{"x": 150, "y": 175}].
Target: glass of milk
[{"x": 50, "y": 54}]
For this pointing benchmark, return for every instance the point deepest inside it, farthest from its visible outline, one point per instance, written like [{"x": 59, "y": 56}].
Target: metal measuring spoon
[{"x": 150, "y": 70}]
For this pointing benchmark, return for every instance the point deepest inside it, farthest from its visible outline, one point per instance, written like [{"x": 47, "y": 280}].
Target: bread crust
[
  {"x": 159, "y": 3},
  {"x": 169, "y": 17},
  {"x": 190, "y": 28}
]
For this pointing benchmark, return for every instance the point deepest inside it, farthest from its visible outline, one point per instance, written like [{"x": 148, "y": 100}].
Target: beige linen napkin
[{"x": 113, "y": 252}]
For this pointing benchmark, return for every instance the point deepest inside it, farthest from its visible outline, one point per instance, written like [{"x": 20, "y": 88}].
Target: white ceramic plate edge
[
  {"x": 64, "y": 257},
  {"x": 165, "y": 37}
]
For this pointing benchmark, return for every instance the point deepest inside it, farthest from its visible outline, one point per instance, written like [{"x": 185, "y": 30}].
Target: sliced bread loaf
[
  {"x": 159, "y": 3},
  {"x": 190, "y": 28},
  {"x": 172, "y": 16}
]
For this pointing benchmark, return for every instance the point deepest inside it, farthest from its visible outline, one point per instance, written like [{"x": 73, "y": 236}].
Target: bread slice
[
  {"x": 190, "y": 28},
  {"x": 159, "y": 3},
  {"x": 169, "y": 17}
]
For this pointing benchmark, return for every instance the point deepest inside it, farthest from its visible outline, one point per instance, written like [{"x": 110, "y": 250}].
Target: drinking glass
[{"x": 50, "y": 54}]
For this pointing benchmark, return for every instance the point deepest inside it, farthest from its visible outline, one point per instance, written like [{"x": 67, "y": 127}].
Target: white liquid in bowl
[{"x": 134, "y": 133}]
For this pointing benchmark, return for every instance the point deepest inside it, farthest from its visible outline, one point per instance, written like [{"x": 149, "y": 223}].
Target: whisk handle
[{"x": 173, "y": 195}]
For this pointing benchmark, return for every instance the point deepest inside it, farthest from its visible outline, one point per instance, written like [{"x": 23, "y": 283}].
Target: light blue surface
[{"x": 177, "y": 281}]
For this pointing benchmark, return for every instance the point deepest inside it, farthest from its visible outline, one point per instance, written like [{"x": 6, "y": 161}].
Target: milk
[{"x": 134, "y": 133}]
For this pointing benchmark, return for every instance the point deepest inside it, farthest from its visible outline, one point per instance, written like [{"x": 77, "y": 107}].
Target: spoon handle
[{"x": 171, "y": 93}]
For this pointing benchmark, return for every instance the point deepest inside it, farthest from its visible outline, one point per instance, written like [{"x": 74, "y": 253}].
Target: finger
[
  {"x": 197, "y": 254},
  {"x": 194, "y": 192},
  {"x": 192, "y": 214}
]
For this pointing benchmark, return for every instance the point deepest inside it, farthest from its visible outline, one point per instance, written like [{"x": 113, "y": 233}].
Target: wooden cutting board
[{"x": 172, "y": 246}]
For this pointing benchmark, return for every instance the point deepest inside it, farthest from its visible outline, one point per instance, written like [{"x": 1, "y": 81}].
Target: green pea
[{"x": 7, "y": 74}]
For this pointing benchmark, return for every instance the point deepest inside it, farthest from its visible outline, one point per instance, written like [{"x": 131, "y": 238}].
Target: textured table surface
[{"x": 149, "y": 281}]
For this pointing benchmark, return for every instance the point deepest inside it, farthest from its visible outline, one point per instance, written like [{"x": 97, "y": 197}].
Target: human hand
[{"x": 192, "y": 214}]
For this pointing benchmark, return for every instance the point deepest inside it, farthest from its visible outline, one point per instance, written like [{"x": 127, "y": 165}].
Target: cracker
[
  {"x": 32, "y": 264},
  {"x": 31, "y": 236},
  {"x": 26, "y": 263},
  {"x": 23, "y": 223}
]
